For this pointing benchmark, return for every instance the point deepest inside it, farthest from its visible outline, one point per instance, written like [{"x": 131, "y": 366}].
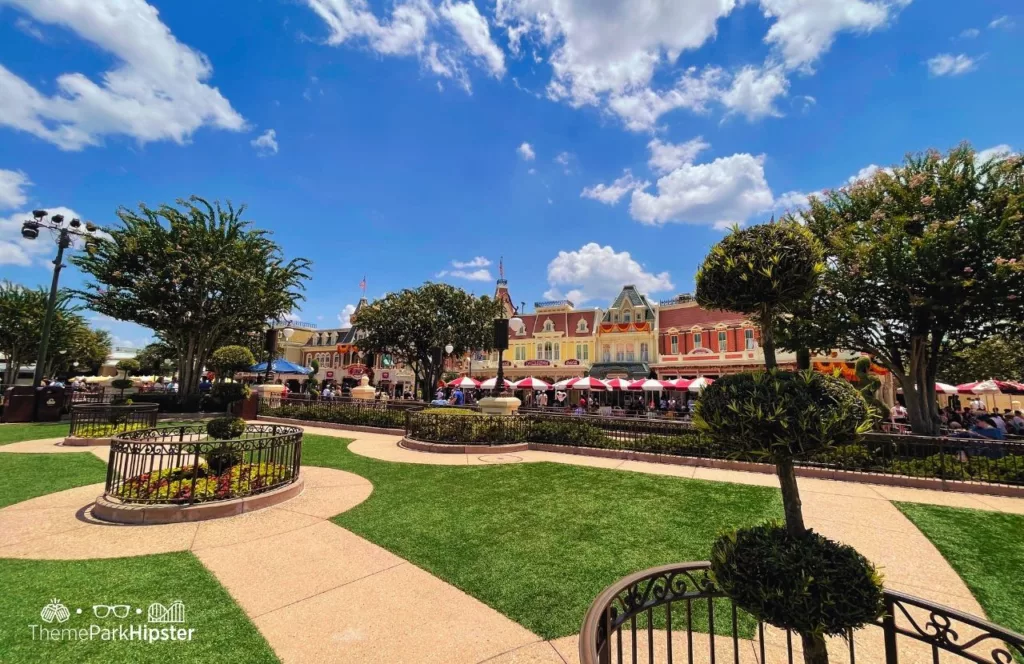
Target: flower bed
[{"x": 194, "y": 484}]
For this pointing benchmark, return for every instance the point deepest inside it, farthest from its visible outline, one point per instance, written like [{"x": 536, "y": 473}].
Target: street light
[
  {"x": 63, "y": 234},
  {"x": 501, "y": 328}
]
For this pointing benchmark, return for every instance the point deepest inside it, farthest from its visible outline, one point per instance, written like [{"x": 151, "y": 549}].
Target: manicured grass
[
  {"x": 985, "y": 548},
  {"x": 29, "y": 475},
  {"x": 539, "y": 541},
  {"x": 222, "y": 631},
  {"x": 15, "y": 433}
]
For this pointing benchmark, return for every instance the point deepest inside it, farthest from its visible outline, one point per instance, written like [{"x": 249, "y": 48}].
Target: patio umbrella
[
  {"x": 587, "y": 383},
  {"x": 682, "y": 384},
  {"x": 940, "y": 388},
  {"x": 618, "y": 384},
  {"x": 990, "y": 387},
  {"x": 491, "y": 382},
  {"x": 699, "y": 384},
  {"x": 532, "y": 383},
  {"x": 649, "y": 385},
  {"x": 464, "y": 381},
  {"x": 563, "y": 384},
  {"x": 281, "y": 366}
]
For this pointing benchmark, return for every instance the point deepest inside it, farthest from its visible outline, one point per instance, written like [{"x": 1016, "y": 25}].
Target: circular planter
[
  {"x": 470, "y": 448},
  {"x": 75, "y": 441},
  {"x": 116, "y": 511},
  {"x": 98, "y": 423}
]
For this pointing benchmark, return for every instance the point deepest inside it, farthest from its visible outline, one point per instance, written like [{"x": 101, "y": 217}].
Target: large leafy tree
[
  {"x": 921, "y": 259},
  {"x": 152, "y": 358},
  {"x": 22, "y": 311},
  {"x": 1000, "y": 357},
  {"x": 196, "y": 274},
  {"x": 414, "y": 325}
]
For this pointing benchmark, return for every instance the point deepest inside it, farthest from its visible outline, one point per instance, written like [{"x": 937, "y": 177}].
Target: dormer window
[
  {"x": 549, "y": 326},
  {"x": 625, "y": 317},
  {"x": 521, "y": 332},
  {"x": 582, "y": 325}
]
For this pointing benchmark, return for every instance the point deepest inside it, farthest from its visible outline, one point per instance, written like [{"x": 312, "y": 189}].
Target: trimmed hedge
[{"x": 366, "y": 416}]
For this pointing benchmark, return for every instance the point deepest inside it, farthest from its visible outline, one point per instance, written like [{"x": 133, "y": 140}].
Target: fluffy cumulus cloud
[
  {"x": 265, "y": 143},
  {"x": 946, "y": 64},
  {"x": 598, "y": 273},
  {"x": 12, "y": 189},
  {"x": 15, "y": 250},
  {"x": 345, "y": 315},
  {"x": 158, "y": 88},
  {"x": 525, "y": 151},
  {"x": 607, "y": 53},
  {"x": 442, "y": 36},
  {"x": 722, "y": 192},
  {"x": 997, "y": 151},
  {"x": 471, "y": 270}
]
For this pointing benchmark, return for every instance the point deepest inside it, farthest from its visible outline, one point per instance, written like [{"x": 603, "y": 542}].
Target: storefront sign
[
  {"x": 330, "y": 374},
  {"x": 537, "y": 363},
  {"x": 385, "y": 375},
  {"x": 571, "y": 363},
  {"x": 506, "y": 363},
  {"x": 356, "y": 370}
]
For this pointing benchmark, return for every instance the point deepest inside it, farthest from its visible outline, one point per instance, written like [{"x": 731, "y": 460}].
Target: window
[
  {"x": 521, "y": 331},
  {"x": 630, "y": 353},
  {"x": 334, "y": 361},
  {"x": 586, "y": 353},
  {"x": 558, "y": 351},
  {"x": 540, "y": 351},
  {"x": 748, "y": 339},
  {"x": 723, "y": 341},
  {"x": 644, "y": 356},
  {"x": 606, "y": 353},
  {"x": 696, "y": 340},
  {"x": 549, "y": 326},
  {"x": 582, "y": 325},
  {"x": 547, "y": 350},
  {"x": 674, "y": 340},
  {"x": 625, "y": 317},
  {"x": 520, "y": 353}
]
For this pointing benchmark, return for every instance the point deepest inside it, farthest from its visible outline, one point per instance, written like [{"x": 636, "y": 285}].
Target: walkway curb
[
  {"x": 330, "y": 425},
  {"x": 444, "y": 448}
]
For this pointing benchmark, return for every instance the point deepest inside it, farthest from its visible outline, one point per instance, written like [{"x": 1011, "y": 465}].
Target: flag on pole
[{"x": 362, "y": 285}]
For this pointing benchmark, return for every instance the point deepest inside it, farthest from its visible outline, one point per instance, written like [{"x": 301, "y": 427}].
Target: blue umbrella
[{"x": 280, "y": 366}]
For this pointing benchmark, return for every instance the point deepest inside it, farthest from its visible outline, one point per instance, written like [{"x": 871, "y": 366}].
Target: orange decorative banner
[
  {"x": 345, "y": 348},
  {"x": 626, "y": 327}
]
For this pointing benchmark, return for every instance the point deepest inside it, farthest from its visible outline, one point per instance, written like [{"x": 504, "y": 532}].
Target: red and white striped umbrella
[
  {"x": 943, "y": 388},
  {"x": 563, "y": 384},
  {"x": 464, "y": 381},
  {"x": 699, "y": 384},
  {"x": 682, "y": 384},
  {"x": 618, "y": 384},
  {"x": 990, "y": 387},
  {"x": 532, "y": 383},
  {"x": 649, "y": 385},
  {"x": 587, "y": 383},
  {"x": 491, "y": 382}
]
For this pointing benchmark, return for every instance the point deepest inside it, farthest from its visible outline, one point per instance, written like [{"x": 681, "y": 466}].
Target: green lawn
[
  {"x": 222, "y": 631},
  {"x": 985, "y": 548},
  {"x": 15, "y": 433},
  {"x": 538, "y": 541},
  {"x": 29, "y": 475}
]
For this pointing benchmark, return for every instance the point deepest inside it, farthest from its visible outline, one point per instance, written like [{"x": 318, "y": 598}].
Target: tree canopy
[
  {"x": 1000, "y": 357},
  {"x": 415, "y": 324},
  {"x": 197, "y": 274},
  {"x": 227, "y": 360},
  {"x": 153, "y": 358},
  {"x": 920, "y": 259}
]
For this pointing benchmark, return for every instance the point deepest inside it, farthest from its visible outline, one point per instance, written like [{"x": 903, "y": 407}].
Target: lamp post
[
  {"x": 64, "y": 235},
  {"x": 501, "y": 327}
]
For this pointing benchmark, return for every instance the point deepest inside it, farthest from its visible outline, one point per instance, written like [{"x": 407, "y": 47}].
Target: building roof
[
  {"x": 631, "y": 297},
  {"x": 685, "y": 316}
]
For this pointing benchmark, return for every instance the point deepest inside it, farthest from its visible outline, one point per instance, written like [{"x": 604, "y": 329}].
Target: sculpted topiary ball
[{"x": 761, "y": 268}]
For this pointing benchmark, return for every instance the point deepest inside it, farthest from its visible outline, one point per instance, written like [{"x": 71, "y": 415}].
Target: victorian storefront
[{"x": 626, "y": 337}]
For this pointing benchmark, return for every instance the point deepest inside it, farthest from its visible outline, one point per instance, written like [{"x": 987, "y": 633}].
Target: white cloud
[
  {"x": 1003, "y": 22},
  {"x": 29, "y": 28},
  {"x": 666, "y": 157},
  {"x": 12, "y": 189},
  {"x": 526, "y": 152},
  {"x": 563, "y": 159},
  {"x": 478, "y": 261},
  {"x": 805, "y": 29},
  {"x": 865, "y": 173},
  {"x": 345, "y": 315},
  {"x": 532, "y": 171},
  {"x": 946, "y": 64},
  {"x": 610, "y": 194},
  {"x": 970, "y": 33},
  {"x": 996, "y": 151},
  {"x": 791, "y": 200},
  {"x": 753, "y": 92},
  {"x": 473, "y": 29},
  {"x": 15, "y": 250},
  {"x": 156, "y": 91},
  {"x": 596, "y": 272},
  {"x": 265, "y": 143}
]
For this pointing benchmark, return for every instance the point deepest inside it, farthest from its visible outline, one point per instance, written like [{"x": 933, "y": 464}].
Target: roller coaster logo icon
[{"x": 173, "y": 613}]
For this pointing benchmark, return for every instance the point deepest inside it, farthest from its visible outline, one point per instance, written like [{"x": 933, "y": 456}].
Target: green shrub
[
  {"x": 1009, "y": 469},
  {"x": 228, "y": 393},
  {"x": 225, "y": 428},
  {"x": 375, "y": 415},
  {"x": 570, "y": 431},
  {"x": 227, "y": 360},
  {"x": 804, "y": 582},
  {"x": 450, "y": 410},
  {"x": 129, "y": 366},
  {"x": 781, "y": 415},
  {"x": 173, "y": 403},
  {"x": 121, "y": 401},
  {"x": 121, "y": 383},
  {"x": 848, "y": 457}
]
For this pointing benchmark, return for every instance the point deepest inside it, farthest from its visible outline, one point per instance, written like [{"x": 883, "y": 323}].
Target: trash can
[
  {"x": 49, "y": 404},
  {"x": 19, "y": 403}
]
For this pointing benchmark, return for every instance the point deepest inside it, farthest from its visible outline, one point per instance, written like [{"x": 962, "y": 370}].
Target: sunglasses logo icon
[{"x": 116, "y": 610}]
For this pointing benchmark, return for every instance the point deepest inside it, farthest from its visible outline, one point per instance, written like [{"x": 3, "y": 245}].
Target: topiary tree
[
  {"x": 226, "y": 361},
  {"x": 868, "y": 385},
  {"x": 763, "y": 271},
  {"x": 223, "y": 457},
  {"x": 128, "y": 366},
  {"x": 782, "y": 416}
]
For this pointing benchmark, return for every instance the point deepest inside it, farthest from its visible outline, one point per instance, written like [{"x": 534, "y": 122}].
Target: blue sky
[{"x": 590, "y": 143}]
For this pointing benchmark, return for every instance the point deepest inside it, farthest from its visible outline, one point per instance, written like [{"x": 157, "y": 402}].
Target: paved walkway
[{"x": 319, "y": 593}]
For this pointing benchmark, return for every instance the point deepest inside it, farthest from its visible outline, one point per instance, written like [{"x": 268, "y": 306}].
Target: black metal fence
[
  {"x": 182, "y": 465},
  {"x": 969, "y": 460},
  {"x": 102, "y": 420},
  {"x": 675, "y": 613}
]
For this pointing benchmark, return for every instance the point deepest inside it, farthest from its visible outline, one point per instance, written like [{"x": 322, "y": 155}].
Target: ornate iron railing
[
  {"x": 456, "y": 428},
  {"x": 182, "y": 465},
  {"x": 103, "y": 420},
  {"x": 675, "y": 613}
]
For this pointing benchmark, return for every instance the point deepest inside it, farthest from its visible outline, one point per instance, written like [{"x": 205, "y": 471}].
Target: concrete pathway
[{"x": 319, "y": 593}]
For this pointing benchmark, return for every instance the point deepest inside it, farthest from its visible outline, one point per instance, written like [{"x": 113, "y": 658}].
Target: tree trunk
[
  {"x": 790, "y": 497},
  {"x": 815, "y": 651},
  {"x": 768, "y": 346},
  {"x": 803, "y": 359},
  {"x": 918, "y": 393}
]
